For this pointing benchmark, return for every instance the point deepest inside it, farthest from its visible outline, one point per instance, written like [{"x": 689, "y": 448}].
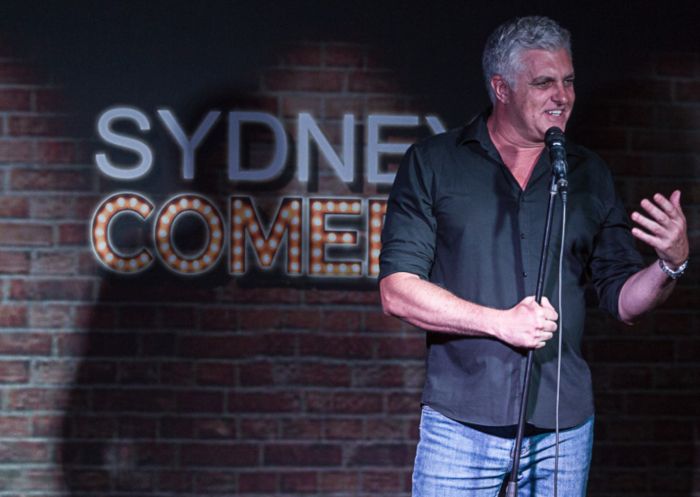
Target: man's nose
[{"x": 562, "y": 94}]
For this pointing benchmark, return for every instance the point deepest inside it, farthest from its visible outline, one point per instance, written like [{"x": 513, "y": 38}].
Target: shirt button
[
  {"x": 522, "y": 236},
  {"x": 524, "y": 274}
]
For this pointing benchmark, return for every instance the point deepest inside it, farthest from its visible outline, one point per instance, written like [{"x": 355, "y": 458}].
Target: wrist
[{"x": 672, "y": 270}]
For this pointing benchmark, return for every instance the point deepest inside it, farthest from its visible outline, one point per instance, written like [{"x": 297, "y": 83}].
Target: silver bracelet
[{"x": 674, "y": 275}]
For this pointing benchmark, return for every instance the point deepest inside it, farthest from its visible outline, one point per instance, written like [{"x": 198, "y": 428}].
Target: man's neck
[{"x": 518, "y": 155}]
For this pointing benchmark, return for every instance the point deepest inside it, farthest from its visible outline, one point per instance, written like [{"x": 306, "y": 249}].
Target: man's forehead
[{"x": 534, "y": 62}]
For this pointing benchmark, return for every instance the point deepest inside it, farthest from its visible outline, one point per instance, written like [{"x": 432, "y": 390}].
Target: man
[{"x": 461, "y": 248}]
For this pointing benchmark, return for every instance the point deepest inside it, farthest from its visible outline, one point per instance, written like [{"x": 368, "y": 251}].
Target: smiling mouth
[{"x": 555, "y": 113}]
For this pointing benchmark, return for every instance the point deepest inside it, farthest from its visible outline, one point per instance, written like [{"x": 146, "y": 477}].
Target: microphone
[{"x": 556, "y": 143}]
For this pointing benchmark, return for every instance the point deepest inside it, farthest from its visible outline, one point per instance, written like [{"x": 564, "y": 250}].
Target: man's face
[{"x": 543, "y": 93}]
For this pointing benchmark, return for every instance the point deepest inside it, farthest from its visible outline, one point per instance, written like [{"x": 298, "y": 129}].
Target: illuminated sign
[{"x": 302, "y": 236}]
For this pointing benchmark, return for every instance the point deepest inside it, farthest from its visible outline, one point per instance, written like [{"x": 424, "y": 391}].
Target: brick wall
[{"x": 157, "y": 385}]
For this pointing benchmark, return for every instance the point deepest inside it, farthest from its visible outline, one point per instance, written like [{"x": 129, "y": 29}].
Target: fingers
[
  {"x": 657, "y": 213},
  {"x": 550, "y": 311},
  {"x": 676, "y": 199},
  {"x": 646, "y": 223}
]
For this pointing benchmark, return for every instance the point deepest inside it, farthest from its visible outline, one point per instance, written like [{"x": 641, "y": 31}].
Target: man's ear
[{"x": 500, "y": 88}]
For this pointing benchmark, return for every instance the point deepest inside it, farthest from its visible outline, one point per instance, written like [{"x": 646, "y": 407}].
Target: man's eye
[
  {"x": 568, "y": 82},
  {"x": 542, "y": 84}
]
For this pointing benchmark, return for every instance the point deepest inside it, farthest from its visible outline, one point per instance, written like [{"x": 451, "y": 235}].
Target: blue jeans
[{"x": 454, "y": 459}]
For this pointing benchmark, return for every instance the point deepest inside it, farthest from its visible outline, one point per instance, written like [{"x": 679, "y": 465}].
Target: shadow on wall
[{"x": 248, "y": 385}]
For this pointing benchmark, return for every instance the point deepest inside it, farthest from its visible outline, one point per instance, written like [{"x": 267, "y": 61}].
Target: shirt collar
[{"x": 476, "y": 131}]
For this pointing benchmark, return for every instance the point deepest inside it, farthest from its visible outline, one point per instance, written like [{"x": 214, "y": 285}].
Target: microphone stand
[{"x": 558, "y": 183}]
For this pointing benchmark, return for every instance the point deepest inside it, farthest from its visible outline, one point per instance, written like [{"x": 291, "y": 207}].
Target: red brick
[
  {"x": 14, "y": 371},
  {"x": 381, "y": 481},
  {"x": 343, "y": 297},
  {"x": 341, "y": 321},
  {"x": 94, "y": 427},
  {"x": 26, "y": 125},
  {"x": 49, "y": 316},
  {"x": 14, "y": 72},
  {"x": 177, "y": 373},
  {"x": 55, "y": 263},
  {"x": 50, "y": 100},
  {"x": 301, "y": 55},
  {"x": 259, "y": 319},
  {"x": 25, "y": 234},
  {"x": 344, "y": 55},
  {"x": 347, "y": 402},
  {"x": 262, "y": 482},
  {"x": 264, "y": 402},
  {"x": 16, "y": 151},
  {"x": 97, "y": 344},
  {"x": 13, "y": 316},
  {"x": 14, "y": 262},
  {"x": 382, "y": 455},
  {"x": 301, "y": 429},
  {"x": 15, "y": 426},
  {"x": 332, "y": 346},
  {"x": 337, "y": 107},
  {"x": 301, "y": 80},
  {"x": 403, "y": 403},
  {"x": 390, "y": 428},
  {"x": 14, "y": 99},
  {"x": 57, "y": 152},
  {"x": 14, "y": 206},
  {"x": 412, "y": 347},
  {"x": 40, "y": 399},
  {"x": 302, "y": 319},
  {"x": 175, "y": 481},
  {"x": 237, "y": 346},
  {"x": 293, "y": 105},
  {"x": 54, "y": 372},
  {"x": 302, "y": 455},
  {"x": 25, "y": 343},
  {"x": 24, "y": 452},
  {"x": 228, "y": 455},
  {"x": 40, "y": 289},
  {"x": 215, "y": 428},
  {"x": 176, "y": 317},
  {"x": 258, "y": 428},
  {"x": 73, "y": 234},
  {"x": 31, "y": 180},
  {"x": 94, "y": 316},
  {"x": 197, "y": 401},
  {"x": 376, "y": 375},
  {"x": 256, "y": 374},
  {"x": 373, "y": 82},
  {"x": 53, "y": 207},
  {"x": 136, "y": 400},
  {"x": 211, "y": 482},
  {"x": 344, "y": 429},
  {"x": 299, "y": 481},
  {"x": 137, "y": 373},
  {"x": 215, "y": 374},
  {"x": 339, "y": 481}
]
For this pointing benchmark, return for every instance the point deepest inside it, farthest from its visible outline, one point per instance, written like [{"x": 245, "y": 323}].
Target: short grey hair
[{"x": 505, "y": 44}]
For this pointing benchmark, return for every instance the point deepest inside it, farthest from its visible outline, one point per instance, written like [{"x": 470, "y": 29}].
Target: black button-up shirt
[{"x": 458, "y": 218}]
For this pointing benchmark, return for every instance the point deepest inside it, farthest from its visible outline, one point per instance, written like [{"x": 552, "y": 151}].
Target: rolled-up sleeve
[
  {"x": 615, "y": 257},
  {"x": 408, "y": 237}
]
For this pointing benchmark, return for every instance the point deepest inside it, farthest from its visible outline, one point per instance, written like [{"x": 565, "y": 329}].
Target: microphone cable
[{"x": 560, "y": 344}]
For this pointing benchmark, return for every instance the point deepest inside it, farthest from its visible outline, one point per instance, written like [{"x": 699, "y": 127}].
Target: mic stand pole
[{"x": 512, "y": 487}]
